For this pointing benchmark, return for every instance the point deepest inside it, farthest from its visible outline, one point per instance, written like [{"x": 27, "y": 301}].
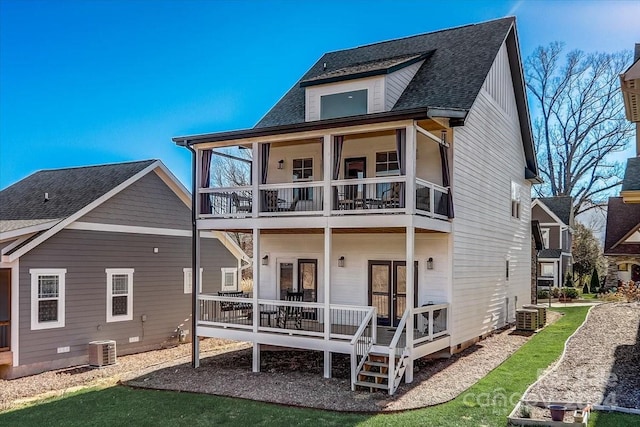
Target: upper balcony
[{"x": 397, "y": 171}]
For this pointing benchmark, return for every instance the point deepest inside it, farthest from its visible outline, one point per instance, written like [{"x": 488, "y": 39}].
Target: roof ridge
[
  {"x": 422, "y": 34},
  {"x": 96, "y": 166}
]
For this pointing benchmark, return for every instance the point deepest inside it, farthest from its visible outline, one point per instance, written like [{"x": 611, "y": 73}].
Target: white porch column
[
  {"x": 411, "y": 239},
  {"x": 256, "y": 261},
  {"x": 255, "y": 179},
  {"x": 327, "y": 299},
  {"x": 327, "y": 174},
  {"x": 195, "y": 267},
  {"x": 410, "y": 159}
]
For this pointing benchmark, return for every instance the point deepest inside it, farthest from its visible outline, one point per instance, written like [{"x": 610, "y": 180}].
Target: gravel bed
[
  {"x": 295, "y": 377},
  {"x": 602, "y": 361},
  {"x": 18, "y": 391},
  {"x": 287, "y": 376}
]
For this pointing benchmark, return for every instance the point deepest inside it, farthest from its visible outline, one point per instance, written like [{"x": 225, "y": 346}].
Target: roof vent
[
  {"x": 324, "y": 66},
  {"x": 46, "y": 197}
]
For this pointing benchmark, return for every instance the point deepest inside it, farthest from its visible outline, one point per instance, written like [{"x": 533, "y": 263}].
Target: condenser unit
[
  {"x": 102, "y": 353},
  {"x": 542, "y": 313},
  {"x": 527, "y": 320}
]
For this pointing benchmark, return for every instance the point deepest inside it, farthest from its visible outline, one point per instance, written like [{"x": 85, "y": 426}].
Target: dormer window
[{"x": 343, "y": 104}]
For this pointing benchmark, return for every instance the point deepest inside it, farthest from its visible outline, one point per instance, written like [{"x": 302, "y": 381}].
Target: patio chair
[
  {"x": 243, "y": 205},
  {"x": 391, "y": 197},
  {"x": 270, "y": 201},
  {"x": 291, "y": 207},
  {"x": 287, "y": 313}
]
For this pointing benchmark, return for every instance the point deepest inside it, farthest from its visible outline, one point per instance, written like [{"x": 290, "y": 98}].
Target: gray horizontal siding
[
  {"x": 147, "y": 202},
  {"x": 158, "y": 290}
]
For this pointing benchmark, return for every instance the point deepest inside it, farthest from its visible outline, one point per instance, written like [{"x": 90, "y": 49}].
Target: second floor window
[
  {"x": 303, "y": 171},
  {"x": 386, "y": 165},
  {"x": 545, "y": 237},
  {"x": 343, "y": 104},
  {"x": 515, "y": 201}
]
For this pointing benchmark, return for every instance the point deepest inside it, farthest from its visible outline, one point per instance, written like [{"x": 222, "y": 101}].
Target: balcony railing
[
  {"x": 430, "y": 322},
  {"x": 282, "y": 317},
  {"x": 348, "y": 196}
]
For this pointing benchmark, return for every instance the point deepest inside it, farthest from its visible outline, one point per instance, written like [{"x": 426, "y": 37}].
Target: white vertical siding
[
  {"x": 499, "y": 85},
  {"x": 397, "y": 82},
  {"x": 488, "y": 157}
]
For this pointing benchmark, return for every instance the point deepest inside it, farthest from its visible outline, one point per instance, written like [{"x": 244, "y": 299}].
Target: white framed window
[
  {"x": 545, "y": 237},
  {"x": 303, "y": 171},
  {"x": 119, "y": 294},
  {"x": 229, "y": 279},
  {"x": 47, "y": 298},
  {"x": 546, "y": 269},
  {"x": 516, "y": 204},
  {"x": 188, "y": 280}
]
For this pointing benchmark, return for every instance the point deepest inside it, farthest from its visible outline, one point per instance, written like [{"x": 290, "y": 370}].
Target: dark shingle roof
[
  {"x": 69, "y": 190},
  {"x": 621, "y": 219},
  {"x": 631, "y": 180},
  {"x": 561, "y": 206},
  {"x": 550, "y": 253},
  {"x": 451, "y": 78}
]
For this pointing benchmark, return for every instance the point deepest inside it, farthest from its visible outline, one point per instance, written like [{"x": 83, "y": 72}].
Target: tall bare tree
[{"x": 578, "y": 121}]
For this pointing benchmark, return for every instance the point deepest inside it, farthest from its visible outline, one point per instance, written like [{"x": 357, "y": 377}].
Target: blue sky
[{"x": 89, "y": 82}]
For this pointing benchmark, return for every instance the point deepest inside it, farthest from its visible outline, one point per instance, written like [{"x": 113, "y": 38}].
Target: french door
[
  {"x": 388, "y": 289},
  {"x": 298, "y": 275}
]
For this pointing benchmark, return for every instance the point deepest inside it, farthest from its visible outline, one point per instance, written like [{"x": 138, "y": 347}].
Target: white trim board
[{"x": 117, "y": 228}]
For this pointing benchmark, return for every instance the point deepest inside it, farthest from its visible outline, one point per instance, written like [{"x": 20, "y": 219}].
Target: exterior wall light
[
  {"x": 281, "y": 164},
  {"x": 341, "y": 261},
  {"x": 430, "y": 263},
  {"x": 265, "y": 260}
]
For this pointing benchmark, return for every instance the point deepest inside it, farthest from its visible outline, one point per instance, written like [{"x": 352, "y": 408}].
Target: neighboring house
[
  {"x": 622, "y": 241},
  {"x": 391, "y": 188},
  {"x": 98, "y": 253},
  {"x": 537, "y": 244},
  {"x": 555, "y": 215}
]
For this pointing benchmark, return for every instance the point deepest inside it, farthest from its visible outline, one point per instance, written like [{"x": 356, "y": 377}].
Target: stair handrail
[
  {"x": 393, "y": 347},
  {"x": 361, "y": 344}
]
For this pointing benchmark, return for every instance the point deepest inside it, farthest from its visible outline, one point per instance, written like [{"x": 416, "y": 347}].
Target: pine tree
[{"x": 595, "y": 281}]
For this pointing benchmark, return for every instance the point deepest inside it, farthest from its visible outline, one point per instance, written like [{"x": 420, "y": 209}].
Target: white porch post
[
  {"x": 195, "y": 267},
  {"x": 411, "y": 238},
  {"x": 256, "y": 286},
  {"x": 327, "y": 299},
  {"x": 256, "y": 164},
  {"x": 410, "y": 168},
  {"x": 327, "y": 174}
]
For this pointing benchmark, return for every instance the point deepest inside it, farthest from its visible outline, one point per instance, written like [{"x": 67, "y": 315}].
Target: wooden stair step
[
  {"x": 379, "y": 364},
  {"x": 381, "y": 386},
  {"x": 373, "y": 374}
]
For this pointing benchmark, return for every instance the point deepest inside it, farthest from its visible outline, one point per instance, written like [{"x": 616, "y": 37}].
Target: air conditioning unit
[
  {"x": 102, "y": 353},
  {"x": 527, "y": 320},
  {"x": 542, "y": 313}
]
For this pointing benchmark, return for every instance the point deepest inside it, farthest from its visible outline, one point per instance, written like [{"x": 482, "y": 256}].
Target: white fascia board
[
  {"x": 72, "y": 218},
  {"x": 8, "y": 235},
  {"x": 118, "y": 228},
  {"x": 231, "y": 245}
]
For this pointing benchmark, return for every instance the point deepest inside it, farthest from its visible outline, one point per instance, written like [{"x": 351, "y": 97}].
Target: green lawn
[{"x": 486, "y": 403}]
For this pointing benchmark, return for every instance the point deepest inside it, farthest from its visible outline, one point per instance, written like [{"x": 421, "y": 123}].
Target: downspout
[{"x": 195, "y": 276}]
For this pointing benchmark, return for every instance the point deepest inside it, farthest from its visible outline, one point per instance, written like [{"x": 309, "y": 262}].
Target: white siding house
[{"x": 388, "y": 204}]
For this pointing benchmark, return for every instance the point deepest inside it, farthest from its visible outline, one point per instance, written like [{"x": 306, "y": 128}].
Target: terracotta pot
[{"x": 557, "y": 412}]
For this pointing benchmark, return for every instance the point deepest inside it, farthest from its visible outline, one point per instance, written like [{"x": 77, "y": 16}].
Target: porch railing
[
  {"x": 5, "y": 337},
  {"x": 291, "y": 198},
  {"x": 286, "y": 317},
  {"x": 373, "y": 194},
  {"x": 227, "y": 202},
  {"x": 348, "y": 196},
  {"x": 431, "y": 322},
  {"x": 431, "y": 199},
  {"x": 397, "y": 353},
  {"x": 361, "y": 344}
]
